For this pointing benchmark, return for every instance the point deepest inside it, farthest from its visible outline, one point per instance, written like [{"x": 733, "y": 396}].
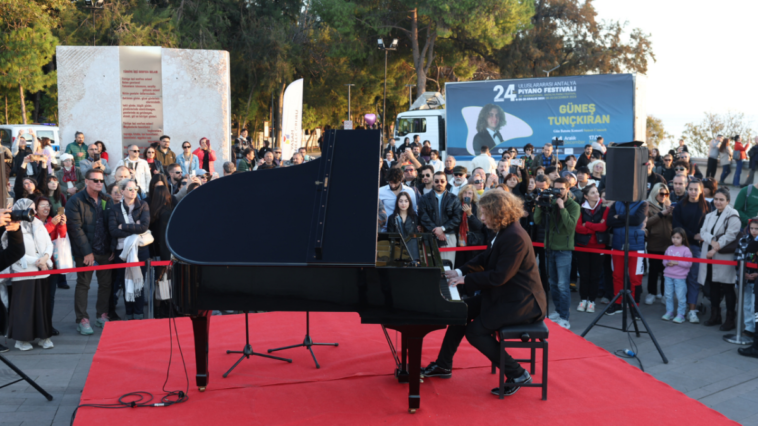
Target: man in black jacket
[
  {"x": 441, "y": 214},
  {"x": 504, "y": 288},
  {"x": 90, "y": 244},
  {"x": 9, "y": 256}
]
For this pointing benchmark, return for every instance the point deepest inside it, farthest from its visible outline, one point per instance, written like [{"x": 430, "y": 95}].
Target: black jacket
[
  {"x": 40, "y": 175},
  {"x": 80, "y": 213},
  {"x": 19, "y": 158},
  {"x": 158, "y": 166},
  {"x": 410, "y": 226},
  {"x": 140, "y": 212},
  {"x": 506, "y": 274},
  {"x": 451, "y": 212},
  {"x": 583, "y": 161},
  {"x": 481, "y": 139}
]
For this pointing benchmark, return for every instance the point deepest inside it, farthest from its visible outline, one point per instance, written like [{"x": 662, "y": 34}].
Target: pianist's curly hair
[{"x": 504, "y": 208}]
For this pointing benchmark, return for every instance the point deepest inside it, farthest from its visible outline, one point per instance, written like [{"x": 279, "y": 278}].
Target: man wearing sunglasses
[
  {"x": 426, "y": 185},
  {"x": 667, "y": 170},
  {"x": 90, "y": 243},
  {"x": 460, "y": 179},
  {"x": 652, "y": 177},
  {"x": 140, "y": 167},
  {"x": 441, "y": 213}
]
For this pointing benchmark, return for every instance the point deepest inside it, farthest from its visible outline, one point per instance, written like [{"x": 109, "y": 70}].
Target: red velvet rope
[{"x": 84, "y": 269}]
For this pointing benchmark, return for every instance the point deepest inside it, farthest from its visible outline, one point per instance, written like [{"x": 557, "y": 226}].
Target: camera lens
[{"x": 26, "y": 215}]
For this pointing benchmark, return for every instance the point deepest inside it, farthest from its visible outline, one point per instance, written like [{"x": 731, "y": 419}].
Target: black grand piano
[{"x": 304, "y": 238}]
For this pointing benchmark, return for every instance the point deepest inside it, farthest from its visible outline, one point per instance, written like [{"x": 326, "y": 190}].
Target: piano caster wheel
[
  {"x": 201, "y": 388},
  {"x": 412, "y": 410}
]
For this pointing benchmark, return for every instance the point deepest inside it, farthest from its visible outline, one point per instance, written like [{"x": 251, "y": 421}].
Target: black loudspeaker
[{"x": 626, "y": 173}]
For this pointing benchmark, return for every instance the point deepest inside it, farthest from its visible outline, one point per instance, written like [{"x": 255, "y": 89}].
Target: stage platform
[{"x": 355, "y": 385}]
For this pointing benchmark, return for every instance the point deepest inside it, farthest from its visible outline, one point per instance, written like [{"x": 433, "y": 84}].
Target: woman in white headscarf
[{"x": 29, "y": 297}]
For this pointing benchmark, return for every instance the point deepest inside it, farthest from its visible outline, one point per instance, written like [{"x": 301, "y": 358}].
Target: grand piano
[{"x": 304, "y": 238}]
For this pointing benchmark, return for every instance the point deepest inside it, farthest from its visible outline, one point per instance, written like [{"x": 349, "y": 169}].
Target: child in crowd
[{"x": 675, "y": 275}]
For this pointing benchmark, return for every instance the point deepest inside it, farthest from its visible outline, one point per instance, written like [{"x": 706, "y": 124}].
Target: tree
[
  {"x": 698, "y": 135},
  {"x": 566, "y": 33},
  {"x": 27, "y": 45},
  {"x": 654, "y": 132},
  {"x": 424, "y": 25}
]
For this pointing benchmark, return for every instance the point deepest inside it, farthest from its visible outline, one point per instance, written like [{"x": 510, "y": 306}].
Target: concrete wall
[{"x": 195, "y": 89}]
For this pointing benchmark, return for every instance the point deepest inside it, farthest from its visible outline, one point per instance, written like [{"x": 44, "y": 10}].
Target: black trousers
[
  {"x": 710, "y": 171},
  {"x": 480, "y": 337},
  {"x": 655, "y": 275},
  {"x": 540, "y": 253},
  {"x": 591, "y": 270}
]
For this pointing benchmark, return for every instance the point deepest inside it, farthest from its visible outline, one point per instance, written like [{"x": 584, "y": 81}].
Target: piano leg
[
  {"x": 402, "y": 375},
  {"x": 200, "y": 326}
]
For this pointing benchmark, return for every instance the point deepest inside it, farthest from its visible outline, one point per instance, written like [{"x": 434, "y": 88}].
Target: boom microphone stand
[{"x": 627, "y": 299}]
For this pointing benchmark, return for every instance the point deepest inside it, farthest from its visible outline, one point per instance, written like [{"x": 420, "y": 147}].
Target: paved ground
[{"x": 701, "y": 365}]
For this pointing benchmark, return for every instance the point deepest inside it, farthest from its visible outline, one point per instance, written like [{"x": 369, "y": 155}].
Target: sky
[{"x": 706, "y": 56}]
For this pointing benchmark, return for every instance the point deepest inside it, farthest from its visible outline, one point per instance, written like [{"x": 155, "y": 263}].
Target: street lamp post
[
  {"x": 569, "y": 56},
  {"x": 392, "y": 46},
  {"x": 94, "y": 5},
  {"x": 410, "y": 96},
  {"x": 349, "y": 115}
]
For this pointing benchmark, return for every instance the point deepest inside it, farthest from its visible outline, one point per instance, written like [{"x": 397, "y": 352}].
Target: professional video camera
[{"x": 542, "y": 198}]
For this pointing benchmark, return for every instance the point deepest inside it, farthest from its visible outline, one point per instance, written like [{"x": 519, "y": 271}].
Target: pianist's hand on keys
[{"x": 453, "y": 289}]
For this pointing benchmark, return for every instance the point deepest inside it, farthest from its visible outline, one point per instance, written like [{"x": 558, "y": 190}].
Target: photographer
[
  {"x": 10, "y": 253},
  {"x": 563, "y": 214}
]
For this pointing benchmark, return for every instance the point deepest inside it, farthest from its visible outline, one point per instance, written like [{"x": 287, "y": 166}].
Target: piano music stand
[
  {"x": 247, "y": 352},
  {"x": 307, "y": 342}
]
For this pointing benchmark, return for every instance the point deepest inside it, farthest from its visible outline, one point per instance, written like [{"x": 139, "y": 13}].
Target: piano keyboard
[{"x": 450, "y": 293}]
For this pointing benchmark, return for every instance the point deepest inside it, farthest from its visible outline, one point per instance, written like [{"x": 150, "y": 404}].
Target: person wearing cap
[
  {"x": 69, "y": 176},
  {"x": 139, "y": 166},
  {"x": 460, "y": 179},
  {"x": 206, "y": 155}
]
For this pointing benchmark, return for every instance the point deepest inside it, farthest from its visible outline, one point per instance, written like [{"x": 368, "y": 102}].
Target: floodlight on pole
[
  {"x": 392, "y": 46},
  {"x": 349, "y": 115},
  {"x": 410, "y": 93}
]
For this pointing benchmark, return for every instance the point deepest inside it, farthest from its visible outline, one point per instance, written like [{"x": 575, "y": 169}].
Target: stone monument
[{"x": 125, "y": 95}]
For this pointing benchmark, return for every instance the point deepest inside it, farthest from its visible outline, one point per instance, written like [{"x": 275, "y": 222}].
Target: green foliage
[
  {"x": 697, "y": 135},
  {"x": 654, "y": 132},
  {"x": 14, "y": 106}
]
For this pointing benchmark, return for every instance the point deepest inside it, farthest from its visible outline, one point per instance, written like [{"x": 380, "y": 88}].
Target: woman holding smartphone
[{"x": 472, "y": 231}]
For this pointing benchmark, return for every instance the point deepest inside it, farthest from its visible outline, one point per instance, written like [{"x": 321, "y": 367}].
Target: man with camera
[
  {"x": 440, "y": 212},
  {"x": 10, "y": 255},
  {"x": 560, "y": 213},
  {"x": 94, "y": 161},
  {"x": 90, "y": 245}
]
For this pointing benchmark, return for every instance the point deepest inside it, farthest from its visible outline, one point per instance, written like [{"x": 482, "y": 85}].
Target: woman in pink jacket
[{"x": 205, "y": 155}]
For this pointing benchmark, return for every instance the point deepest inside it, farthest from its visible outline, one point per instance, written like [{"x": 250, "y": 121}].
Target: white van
[{"x": 9, "y": 135}]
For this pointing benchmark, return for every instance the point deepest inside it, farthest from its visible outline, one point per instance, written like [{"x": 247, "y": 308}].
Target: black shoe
[
  {"x": 3, "y": 349},
  {"x": 113, "y": 317},
  {"x": 434, "y": 370},
  {"x": 64, "y": 286},
  {"x": 614, "y": 309},
  {"x": 750, "y": 351},
  {"x": 56, "y": 332},
  {"x": 522, "y": 380},
  {"x": 749, "y": 334}
]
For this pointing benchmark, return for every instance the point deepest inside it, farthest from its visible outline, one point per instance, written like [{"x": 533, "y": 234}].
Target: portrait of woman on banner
[{"x": 491, "y": 120}]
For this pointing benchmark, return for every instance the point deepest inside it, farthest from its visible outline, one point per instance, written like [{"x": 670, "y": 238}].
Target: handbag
[
  {"x": 62, "y": 253},
  {"x": 732, "y": 246}
]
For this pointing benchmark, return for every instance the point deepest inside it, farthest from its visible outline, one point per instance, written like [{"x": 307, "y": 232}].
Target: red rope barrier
[
  {"x": 84, "y": 269},
  {"x": 620, "y": 253}
]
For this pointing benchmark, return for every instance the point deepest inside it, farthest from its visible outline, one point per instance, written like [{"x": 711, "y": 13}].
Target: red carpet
[{"x": 355, "y": 385}]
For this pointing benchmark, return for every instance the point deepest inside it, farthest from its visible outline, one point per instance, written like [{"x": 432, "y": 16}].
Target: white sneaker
[
  {"x": 554, "y": 317},
  {"x": 24, "y": 346},
  {"x": 582, "y": 306},
  {"x": 692, "y": 317},
  {"x": 564, "y": 323},
  {"x": 649, "y": 299},
  {"x": 46, "y": 344},
  {"x": 590, "y": 307}
]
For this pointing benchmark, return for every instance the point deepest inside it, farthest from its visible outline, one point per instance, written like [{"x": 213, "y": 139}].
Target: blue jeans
[
  {"x": 676, "y": 286},
  {"x": 693, "y": 287},
  {"x": 559, "y": 269},
  {"x": 748, "y": 303},
  {"x": 725, "y": 170},
  {"x": 737, "y": 173}
]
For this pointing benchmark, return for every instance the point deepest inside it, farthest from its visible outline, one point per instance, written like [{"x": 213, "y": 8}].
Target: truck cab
[{"x": 429, "y": 125}]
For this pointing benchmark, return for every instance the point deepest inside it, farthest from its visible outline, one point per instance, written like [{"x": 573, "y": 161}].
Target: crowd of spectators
[
  {"x": 685, "y": 214},
  {"x": 103, "y": 213}
]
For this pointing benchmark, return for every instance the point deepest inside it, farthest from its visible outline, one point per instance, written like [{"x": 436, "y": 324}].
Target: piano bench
[{"x": 532, "y": 336}]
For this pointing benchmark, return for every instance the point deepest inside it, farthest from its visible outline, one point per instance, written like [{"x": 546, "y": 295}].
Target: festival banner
[
  {"x": 574, "y": 110},
  {"x": 292, "y": 119}
]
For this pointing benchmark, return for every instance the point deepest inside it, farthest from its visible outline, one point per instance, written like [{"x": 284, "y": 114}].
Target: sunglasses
[
  {"x": 680, "y": 169},
  {"x": 410, "y": 170},
  {"x": 426, "y": 175},
  {"x": 178, "y": 172},
  {"x": 186, "y": 147},
  {"x": 478, "y": 181},
  {"x": 97, "y": 180},
  {"x": 667, "y": 160},
  {"x": 440, "y": 181},
  {"x": 131, "y": 189},
  {"x": 150, "y": 152},
  {"x": 134, "y": 150},
  {"x": 459, "y": 174}
]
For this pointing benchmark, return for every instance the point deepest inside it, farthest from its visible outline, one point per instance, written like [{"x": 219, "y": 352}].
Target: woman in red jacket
[
  {"x": 205, "y": 155},
  {"x": 740, "y": 150},
  {"x": 56, "y": 227},
  {"x": 590, "y": 225}
]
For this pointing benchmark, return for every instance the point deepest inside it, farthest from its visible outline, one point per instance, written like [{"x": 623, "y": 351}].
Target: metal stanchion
[
  {"x": 738, "y": 338},
  {"x": 149, "y": 290}
]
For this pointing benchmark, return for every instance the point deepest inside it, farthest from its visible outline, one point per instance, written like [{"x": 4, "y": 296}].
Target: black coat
[
  {"x": 481, "y": 139},
  {"x": 140, "y": 212},
  {"x": 507, "y": 275},
  {"x": 40, "y": 175},
  {"x": 583, "y": 161},
  {"x": 451, "y": 212},
  {"x": 80, "y": 215},
  {"x": 410, "y": 226},
  {"x": 158, "y": 166}
]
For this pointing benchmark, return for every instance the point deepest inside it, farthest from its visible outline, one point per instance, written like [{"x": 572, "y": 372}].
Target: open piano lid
[{"x": 323, "y": 212}]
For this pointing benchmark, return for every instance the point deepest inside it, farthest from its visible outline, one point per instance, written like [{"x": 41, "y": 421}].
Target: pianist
[{"x": 503, "y": 286}]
